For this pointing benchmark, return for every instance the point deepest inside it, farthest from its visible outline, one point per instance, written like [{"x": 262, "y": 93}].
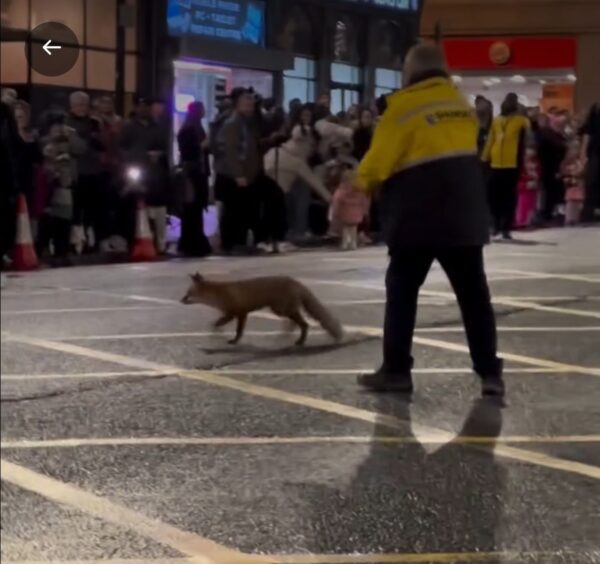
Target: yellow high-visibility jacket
[
  {"x": 424, "y": 157},
  {"x": 505, "y": 142},
  {"x": 426, "y": 122}
]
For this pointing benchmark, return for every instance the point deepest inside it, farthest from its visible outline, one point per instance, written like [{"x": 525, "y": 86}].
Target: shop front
[
  {"x": 495, "y": 66},
  {"x": 552, "y": 44},
  {"x": 352, "y": 49}
]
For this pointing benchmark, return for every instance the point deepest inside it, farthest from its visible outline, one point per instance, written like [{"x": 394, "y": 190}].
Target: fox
[{"x": 283, "y": 295}]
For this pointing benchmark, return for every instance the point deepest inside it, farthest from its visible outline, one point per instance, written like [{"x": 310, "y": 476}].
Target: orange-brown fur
[{"x": 284, "y": 296}]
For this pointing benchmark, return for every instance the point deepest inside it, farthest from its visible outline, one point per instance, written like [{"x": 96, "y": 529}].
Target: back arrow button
[{"x": 47, "y": 47}]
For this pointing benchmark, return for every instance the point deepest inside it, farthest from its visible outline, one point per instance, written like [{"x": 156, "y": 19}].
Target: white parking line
[
  {"x": 511, "y": 302},
  {"x": 312, "y": 402},
  {"x": 203, "y": 550},
  {"x": 316, "y": 331},
  {"x": 7, "y": 444},
  {"x": 263, "y": 372},
  {"x": 81, "y": 376},
  {"x": 592, "y": 278},
  {"x": 21, "y": 312}
]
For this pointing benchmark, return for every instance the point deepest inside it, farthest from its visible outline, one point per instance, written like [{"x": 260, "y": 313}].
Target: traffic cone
[
  {"x": 143, "y": 247},
  {"x": 24, "y": 256}
]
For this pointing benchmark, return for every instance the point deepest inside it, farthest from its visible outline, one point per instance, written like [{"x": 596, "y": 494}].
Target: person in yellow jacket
[
  {"x": 504, "y": 152},
  {"x": 423, "y": 157}
]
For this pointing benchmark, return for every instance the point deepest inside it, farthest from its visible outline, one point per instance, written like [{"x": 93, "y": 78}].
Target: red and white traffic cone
[
  {"x": 143, "y": 248},
  {"x": 24, "y": 255}
]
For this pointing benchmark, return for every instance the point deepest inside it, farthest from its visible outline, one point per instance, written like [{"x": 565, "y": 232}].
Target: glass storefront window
[
  {"x": 13, "y": 64},
  {"x": 131, "y": 32},
  {"x": 101, "y": 22},
  {"x": 67, "y": 12},
  {"x": 300, "y": 82},
  {"x": 73, "y": 78},
  {"x": 386, "y": 81},
  {"x": 131, "y": 73},
  {"x": 100, "y": 70},
  {"x": 345, "y": 74},
  {"x": 14, "y": 14}
]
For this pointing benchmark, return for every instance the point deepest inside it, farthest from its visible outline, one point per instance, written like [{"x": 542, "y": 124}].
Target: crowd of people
[
  {"x": 280, "y": 179},
  {"x": 544, "y": 167}
]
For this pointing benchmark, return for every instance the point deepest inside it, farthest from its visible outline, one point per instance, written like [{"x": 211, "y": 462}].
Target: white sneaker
[{"x": 265, "y": 247}]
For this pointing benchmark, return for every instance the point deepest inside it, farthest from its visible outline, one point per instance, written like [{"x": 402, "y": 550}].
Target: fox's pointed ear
[{"x": 196, "y": 277}]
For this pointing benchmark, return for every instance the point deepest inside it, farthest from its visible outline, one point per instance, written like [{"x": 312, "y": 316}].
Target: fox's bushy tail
[{"x": 320, "y": 313}]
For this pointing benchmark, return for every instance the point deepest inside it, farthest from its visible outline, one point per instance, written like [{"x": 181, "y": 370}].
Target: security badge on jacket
[{"x": 435, "y": 118}]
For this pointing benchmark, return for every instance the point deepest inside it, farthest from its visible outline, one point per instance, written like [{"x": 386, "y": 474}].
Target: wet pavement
[{"x": 131, "y": 433}]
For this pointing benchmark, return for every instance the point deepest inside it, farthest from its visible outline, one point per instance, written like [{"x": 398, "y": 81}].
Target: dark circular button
[{"x": 52, "y": 49}]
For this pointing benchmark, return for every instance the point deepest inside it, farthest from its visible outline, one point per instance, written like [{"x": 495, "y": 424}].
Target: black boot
[{"x": 381, "y": 381}]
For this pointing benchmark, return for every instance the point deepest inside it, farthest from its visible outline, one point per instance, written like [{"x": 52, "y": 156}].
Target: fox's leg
[
  {"x": 222, "y": 321},
  {"x": 297, "y": 318},
  {"x": 241, "y": 324}
]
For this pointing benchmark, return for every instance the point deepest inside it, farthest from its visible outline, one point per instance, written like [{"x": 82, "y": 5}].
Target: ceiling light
[{"x": 518, "y": 79}]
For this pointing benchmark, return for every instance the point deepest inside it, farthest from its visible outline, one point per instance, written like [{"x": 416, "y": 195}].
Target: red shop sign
[{"x": 511, "y": 53}]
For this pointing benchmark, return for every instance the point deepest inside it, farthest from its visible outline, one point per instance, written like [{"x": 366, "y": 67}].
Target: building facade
[
  {"x": 200, "y": 49},
  {"x": 95, "y": 24},
  {"x": 546, "y": 50}
]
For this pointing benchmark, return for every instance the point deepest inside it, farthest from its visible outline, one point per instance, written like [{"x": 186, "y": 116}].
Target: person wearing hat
[{"x": 424, "y": 158}]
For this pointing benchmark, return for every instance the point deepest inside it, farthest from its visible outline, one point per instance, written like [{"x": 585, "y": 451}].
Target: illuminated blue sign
[
  {"x": 389, "y": 4},
  {"x": 241, "y": 21}
]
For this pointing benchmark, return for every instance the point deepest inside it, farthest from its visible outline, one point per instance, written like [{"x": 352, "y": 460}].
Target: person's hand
[{"x": 241, "y": 182}]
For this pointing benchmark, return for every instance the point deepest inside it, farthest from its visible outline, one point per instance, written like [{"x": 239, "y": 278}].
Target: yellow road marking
[
  {"x": 76, "y": 310},
  {"x": 83, "y": 375},
  {"x": 106, "y": 561},
  {"x": 250, "y": 441},
  {"x": 203, "y": 550},
  {"x": 255, "y": 333},
  {"x": 263, "y": 372},
  {"x": 511, "y": 302},
  {"x": 309, "y": 401},
  {"x": 594, "y": 279},
  {"x": 424, "y": 558},
  {"x": 354, "y": 371}
]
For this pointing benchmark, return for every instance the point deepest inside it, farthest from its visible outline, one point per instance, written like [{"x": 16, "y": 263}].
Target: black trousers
[
  {"x": 56, "y": 230},
  {"x": 92, "y": 204},
  {"x": 464, "y": 267},
  {"x": 503, "y": 184},
  {"x": 193, "y": 241},
  {"x": 258, "y": 207}
]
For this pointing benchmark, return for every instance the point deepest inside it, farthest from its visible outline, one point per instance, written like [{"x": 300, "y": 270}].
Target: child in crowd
[
  {"x": 529, "y": 186},
  {"x": 54, "y": 197},
  {"x": 572, "y": 173},
  {"x": 349, "y": 208}
]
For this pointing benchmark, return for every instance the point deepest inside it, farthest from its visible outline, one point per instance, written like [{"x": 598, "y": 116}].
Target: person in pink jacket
[{"x": 348, "y": 210}]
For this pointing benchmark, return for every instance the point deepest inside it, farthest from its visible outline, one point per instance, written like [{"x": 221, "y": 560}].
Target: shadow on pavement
[{"x": 408, "y": 500}]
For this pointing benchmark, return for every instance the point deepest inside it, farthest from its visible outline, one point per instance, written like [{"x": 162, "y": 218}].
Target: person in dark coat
[
  {"x": 143, "y": 146},
  {"x": 552, "y": 148},
  {"x": 193, "y": 150},
  {"x": 9, "y": 153},
  {"x": 424, "y": 154},
  {"x": 591, "y": 156},
  {"x": 238, "y": 163}
]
